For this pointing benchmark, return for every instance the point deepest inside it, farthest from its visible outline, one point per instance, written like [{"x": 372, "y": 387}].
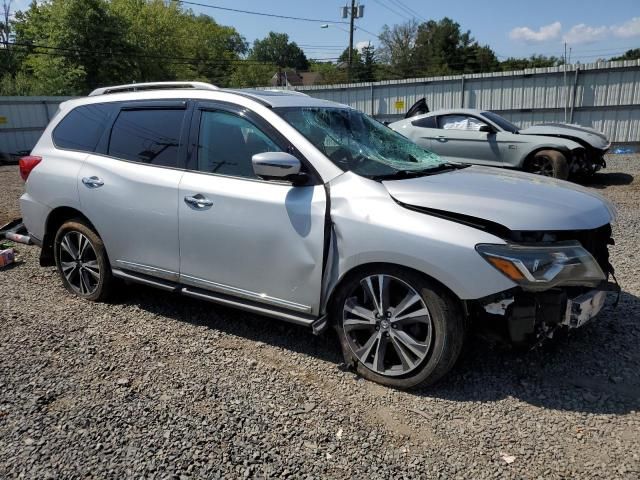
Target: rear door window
[
  {"x": 150, "y": 135},
  {"x": 82, "y": 128}
]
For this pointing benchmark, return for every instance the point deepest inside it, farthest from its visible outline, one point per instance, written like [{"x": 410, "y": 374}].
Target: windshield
[
  {"x": 355, "y": 142},
  {"x": 503, "y": 123}
]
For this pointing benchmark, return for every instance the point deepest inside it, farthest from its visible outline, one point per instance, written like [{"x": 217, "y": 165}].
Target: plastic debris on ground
[
  {"x": 7, "y": 257},
  {"x": 15, "y": 231}
]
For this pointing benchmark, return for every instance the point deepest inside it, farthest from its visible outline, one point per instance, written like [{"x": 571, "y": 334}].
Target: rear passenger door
[
  {"x": 241, "y": 235},
  {"x": 129, "y": 187}
]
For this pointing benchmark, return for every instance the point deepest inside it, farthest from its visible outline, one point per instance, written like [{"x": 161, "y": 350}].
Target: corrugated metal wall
[
  {"x": 22, "y": 120},
  {"x": 604, "y": 96}
]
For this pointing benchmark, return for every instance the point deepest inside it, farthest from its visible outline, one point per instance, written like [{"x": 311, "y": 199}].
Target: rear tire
[
  {"x": 549, "y": 163},
  {"x": 82, "y": 262},
  {"x": 416, "y": 335}
]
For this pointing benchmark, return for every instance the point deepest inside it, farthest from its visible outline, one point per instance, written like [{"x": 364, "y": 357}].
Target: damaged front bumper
[{"x": 528, "y": 318}]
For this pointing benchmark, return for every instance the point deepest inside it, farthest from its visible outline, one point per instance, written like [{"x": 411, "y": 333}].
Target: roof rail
[{"x": 134, "y": 87}]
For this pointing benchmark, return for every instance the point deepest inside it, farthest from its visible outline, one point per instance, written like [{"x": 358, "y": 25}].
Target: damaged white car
[
  {"x": 485, "y": 138},
  {"x": 314, "y": 213}
]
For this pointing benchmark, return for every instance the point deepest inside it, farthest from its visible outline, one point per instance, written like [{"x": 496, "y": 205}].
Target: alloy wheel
[
  {"x": 542, "y": 166},
  {"x": 79, "y": 263},
  {"x": 387, "y": 325}
]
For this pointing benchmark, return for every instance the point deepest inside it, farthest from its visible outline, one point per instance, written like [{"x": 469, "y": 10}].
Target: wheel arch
[
  {"x": 564, "y": 151},
  {"x": 329, "y": 304},
  {"x": 55, "y": 219}
]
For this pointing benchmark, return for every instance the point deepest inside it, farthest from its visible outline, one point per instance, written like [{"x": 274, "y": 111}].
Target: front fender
[{"x": 369, "y": 227}]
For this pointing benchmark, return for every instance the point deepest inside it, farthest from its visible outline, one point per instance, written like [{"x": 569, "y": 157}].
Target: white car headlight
[{"x": 540, "y": 268}]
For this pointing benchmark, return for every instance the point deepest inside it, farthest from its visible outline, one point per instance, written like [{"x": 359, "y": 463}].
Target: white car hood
[{"x": 516, "y": 200}]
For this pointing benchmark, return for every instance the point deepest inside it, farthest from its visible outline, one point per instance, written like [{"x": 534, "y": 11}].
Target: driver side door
[{"x": 459, "y": 139}]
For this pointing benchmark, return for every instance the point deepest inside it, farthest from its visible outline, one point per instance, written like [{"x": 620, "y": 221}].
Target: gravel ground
[{"x": 160, "y": 386}]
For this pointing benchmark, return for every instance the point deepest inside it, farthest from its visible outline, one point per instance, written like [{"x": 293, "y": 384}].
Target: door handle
[
  {"x": 198, "y": 201},
  {"x": 92, "y": 182}
]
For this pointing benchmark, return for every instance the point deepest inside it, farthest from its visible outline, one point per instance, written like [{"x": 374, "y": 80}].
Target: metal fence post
[{"x": 573, "y": 93}]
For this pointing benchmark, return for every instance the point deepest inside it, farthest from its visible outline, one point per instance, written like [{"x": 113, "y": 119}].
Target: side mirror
[
  {"x": 278, "y": 165},
  {"x": 485, "y": 128}
]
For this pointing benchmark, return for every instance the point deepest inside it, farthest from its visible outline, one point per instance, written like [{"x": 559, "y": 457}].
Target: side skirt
[{"x": 316, "y": 324}]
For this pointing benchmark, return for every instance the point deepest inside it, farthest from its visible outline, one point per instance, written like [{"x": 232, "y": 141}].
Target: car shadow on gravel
[
  {"x": 609, "y": 179},
  {"x": 235, "y": 322},
  {"x": 595, "y": 369}
]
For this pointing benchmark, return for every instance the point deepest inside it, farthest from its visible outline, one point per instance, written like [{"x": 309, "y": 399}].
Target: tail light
[{"x": 27, "y": 164}]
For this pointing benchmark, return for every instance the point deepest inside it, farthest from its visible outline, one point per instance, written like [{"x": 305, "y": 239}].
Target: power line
[
  {"x": 61, "y": 51},
  {"x": 407, "y": 9},
  {"x": 263, "y": 14},
  {"x": 384, "y": 5}
]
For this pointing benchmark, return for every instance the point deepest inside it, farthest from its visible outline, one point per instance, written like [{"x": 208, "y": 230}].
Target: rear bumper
[{"x": 34, "y": 215}]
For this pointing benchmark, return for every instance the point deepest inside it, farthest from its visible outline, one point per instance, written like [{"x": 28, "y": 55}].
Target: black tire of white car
[
  {"x": 550, "y": 163},
  {"x": 447, "y": 323},
  {"x": 81, "y": 279}
]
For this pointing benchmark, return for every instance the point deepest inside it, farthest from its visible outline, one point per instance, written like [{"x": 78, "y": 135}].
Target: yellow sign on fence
[
  {"x": 399, "y": 104},
  {"x": 3, "y": 120}
]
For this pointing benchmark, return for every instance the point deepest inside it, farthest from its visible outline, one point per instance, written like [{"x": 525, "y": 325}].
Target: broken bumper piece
[
  {"x": 524, "y": 317},
  {"x": 583, "y": 308}
]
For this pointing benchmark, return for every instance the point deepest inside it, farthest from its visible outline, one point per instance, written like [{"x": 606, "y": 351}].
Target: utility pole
[
  {"x": 353, "y": 7},
  {"x": 352, "y": 12}
]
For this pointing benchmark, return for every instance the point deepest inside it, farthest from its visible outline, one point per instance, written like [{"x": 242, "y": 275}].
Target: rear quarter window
[
  {"x": 426, "y": 122},
  {"x": 82, "y": 127}
]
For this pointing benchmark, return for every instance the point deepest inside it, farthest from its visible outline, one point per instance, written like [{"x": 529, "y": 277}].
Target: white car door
[
  {"x": 240, "y": 235},
  {"x": 459, "y": 139},
  {"x": 129, "y": 189}
]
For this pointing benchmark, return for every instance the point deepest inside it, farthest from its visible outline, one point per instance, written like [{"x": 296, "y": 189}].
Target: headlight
[{"x": 540, "y": 268}]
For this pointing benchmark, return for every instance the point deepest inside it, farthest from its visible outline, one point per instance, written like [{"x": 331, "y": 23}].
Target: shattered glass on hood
[{"x": 357, "y": 143}]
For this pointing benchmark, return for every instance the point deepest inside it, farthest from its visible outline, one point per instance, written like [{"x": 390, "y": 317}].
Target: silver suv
[{"x": 313, "y": 213}]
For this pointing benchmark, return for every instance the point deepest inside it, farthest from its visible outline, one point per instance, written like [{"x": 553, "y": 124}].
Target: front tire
[
  {"x": 549, "y": 163},
  {"x": 82, "y": 262},
  {"x": 398, "y": 328}
]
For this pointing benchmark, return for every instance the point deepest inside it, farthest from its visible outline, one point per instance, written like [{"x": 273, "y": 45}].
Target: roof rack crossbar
[{"x": 134, "y": 87}]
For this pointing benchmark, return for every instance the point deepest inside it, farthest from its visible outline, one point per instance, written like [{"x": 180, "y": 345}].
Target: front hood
[
  {"x": 515, "y": 200},
  {"x": 593, "y": 137}
]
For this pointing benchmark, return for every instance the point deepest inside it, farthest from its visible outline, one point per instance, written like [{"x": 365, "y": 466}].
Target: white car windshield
[{"x": 355, "y": 142}]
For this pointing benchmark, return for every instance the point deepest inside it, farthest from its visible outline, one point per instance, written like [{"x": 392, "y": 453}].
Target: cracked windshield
[{"x": 357, "y": 143}]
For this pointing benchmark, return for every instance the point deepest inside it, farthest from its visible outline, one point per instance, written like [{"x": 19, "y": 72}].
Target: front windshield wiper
[{"x": 400, "y": 174}]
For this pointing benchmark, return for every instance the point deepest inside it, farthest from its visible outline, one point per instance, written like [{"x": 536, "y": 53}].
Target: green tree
[
  {"x": 632, "y": 54},
  {"x": 330, "y": 72},
  {"x": 534, "y": 61},
  {"x": 67, "y": 47},
  {"x": 76, "y": 45},
  {"x": 249, "y": 74},
  {"x": 276, "y": 49},
  {"x": 442, "y": 48},
  {"x": 397, "y": 49}
]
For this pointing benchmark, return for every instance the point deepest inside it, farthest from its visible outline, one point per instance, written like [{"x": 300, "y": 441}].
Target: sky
[{"x": 592, "y": 28}]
